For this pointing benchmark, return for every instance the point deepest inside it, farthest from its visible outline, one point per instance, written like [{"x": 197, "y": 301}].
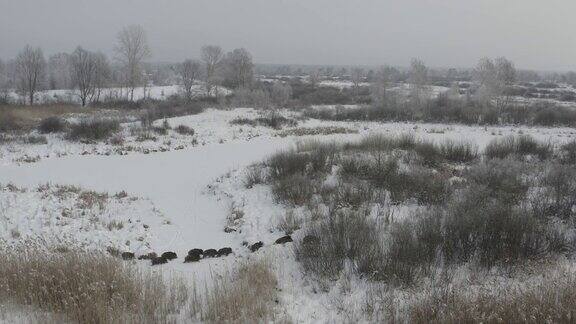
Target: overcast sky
[{"x": 535, "y": 34}]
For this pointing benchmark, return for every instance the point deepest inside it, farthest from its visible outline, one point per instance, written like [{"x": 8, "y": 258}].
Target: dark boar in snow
[
  {"x": 224, "y": 251},
  {"x": 284, "y": 239},
  {"x": 148, "y": 256},
  {"x": 127, "y": 255},
  {"x": 169, "y": 255},
  {"x": 192, "y": 258},
  {"x": 256, "y": 246},
  {"x": 196, "y": 251},
  {"x": 159, "y": 260},
  {"x": 210, "y": 253}
]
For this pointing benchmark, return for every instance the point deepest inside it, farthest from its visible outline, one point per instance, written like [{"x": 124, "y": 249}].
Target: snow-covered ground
[
  {"x": 59, "y": 216},
  {"x": 213, "y": 127},
  {"x": 186, "y": 196},
  {"x": 152, "y": 92}
]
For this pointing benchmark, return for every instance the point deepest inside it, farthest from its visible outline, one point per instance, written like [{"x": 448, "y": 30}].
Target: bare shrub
[
  {"x": 429, "y": 153},
  {"x": 273, "y": 120},
  {"x": 184, "y": 130},
  {"x": 246, "y": 295},
  {"x": 294, "y": 190},
  {"x": 568, "y": 152},
  {"x": 557, "y": 196},
  {"x": 546, "y": 297},
  {"x": 380, "y": 142},
  {"x": 307, "y": 131},
  {"x": 289, "y": 222},
  {"x": 459, "y": 152},
  {"x": 522, "y": 145},
  {"x": 52, "y": 125},
  {"x": 504, "y": 179},
  {"x": 8, "y": 121},
  {"x": 117, "y": 140},
  {"x": 35, "y": 139},
  {"x": 351, "y": 195},
  {"x": 480, "y": 228},
  {"x": 284, "y": 164},
  {"x": 87, "y": 287},
  {"x": 254, "y": 175},
  {"x": 343, "y": 236},
  {"x": 94, "y": 130},
  {"x": 410, "y": 249},
  {"x": 235, "y": 216}
]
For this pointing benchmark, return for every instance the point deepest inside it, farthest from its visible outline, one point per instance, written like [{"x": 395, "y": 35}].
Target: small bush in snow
[
  {"x": 342, "y": 236},
  {"x": 294, "y": 190},
  {"x": 254, "y": 175},
  {"x": 272, "y": 120},
  {"x": 522, "y": 145},
  {"x": 246, "y": 295},
  {"x": 184, "y": 130},
  {"x": 459, "y": 152},
  {"x": 52, "y": 125},
  {"x": 568, "y": 152},
  {"x": 94, "y": 130},
  {"x": 34, "y": 139}
]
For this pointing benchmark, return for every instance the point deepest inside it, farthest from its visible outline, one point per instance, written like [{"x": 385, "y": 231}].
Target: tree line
[{"x": 90, "y": 72}]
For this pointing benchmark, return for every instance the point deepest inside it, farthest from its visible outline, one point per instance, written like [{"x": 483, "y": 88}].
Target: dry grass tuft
[
  {"x": 86, "y": 287},
  {"x": 28, "y": 117},
  {"x": 248, "y": 295},
  {"x": 549, "y": 297}
]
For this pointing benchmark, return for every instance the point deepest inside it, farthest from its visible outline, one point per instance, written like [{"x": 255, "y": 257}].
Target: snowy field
[
  {"x": 212, "y": 127},
  {"x": 180, "y": 193}
]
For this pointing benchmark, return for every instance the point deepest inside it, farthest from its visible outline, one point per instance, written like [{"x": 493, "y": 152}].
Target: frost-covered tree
[
  {"x": 281, "y": 94},
  {"x": 212, "y": 57},
  {"x": 238, "y": 68},
  {"x": 30, "y": 69},
  {"x": 356, "y": 77},
  {"x": 492, "y": 78},
  {"x": 189, "y": 71},
  {"x": 58, "y": 71},
  {"x": 418, "y": 73},
  {"x": 103, "y": 75},
  {"x": 418, "y": 79},
  {"x": 314, "y": 78},
  {"x": 132, "y": 49},
  {"x": 83, "y": 67},
  {"x": 4, "y": 87}
]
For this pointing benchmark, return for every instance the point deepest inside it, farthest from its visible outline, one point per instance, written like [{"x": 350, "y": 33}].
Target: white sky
[{"x": 535, "y": 34}]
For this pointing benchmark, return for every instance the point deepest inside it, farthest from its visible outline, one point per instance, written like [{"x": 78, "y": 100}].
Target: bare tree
[
  {"x": 492, "y": 77},
  {"x": 506, "y": 72},
  {"x": 30, "y": 67},
  {"x": 132, "y": 49},
  {"x": 212, "y": 58},
  {"x": 238, "y": 68},
  {"x": 102, "y": 75},
  {"x": 418, "y": 73},
  {"x": 281, "y": 94},
  {"x": 314, "y": 78},
  {"x": 189, "y": 71},
  {"x": 58, "y": 71},
  {"x": 506, "y": 75},
  {"x": 386, "y": 75},
  {"x": 356, "y": 77},
  {"x": 4, "y": 88},
  {"x": 83, "y": 68},
  {"x": 418, "y": 78}
]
